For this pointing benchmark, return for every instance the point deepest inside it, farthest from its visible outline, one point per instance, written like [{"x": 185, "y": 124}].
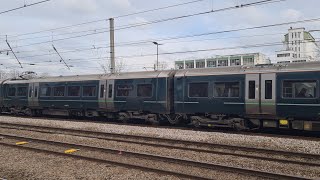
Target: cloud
[
  {"x": 291, "y": 14},
  {"x": 80, "y": 6}
]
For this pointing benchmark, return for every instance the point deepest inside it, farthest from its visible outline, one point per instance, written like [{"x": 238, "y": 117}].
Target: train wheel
[
  {"x": 123, "y": 117},
  {"x": 174, "y": 119}
]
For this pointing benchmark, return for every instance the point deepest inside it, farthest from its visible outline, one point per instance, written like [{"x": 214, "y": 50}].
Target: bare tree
[
  {"x": 163, "y": 65},
  {"x": 120, "y": 66}
]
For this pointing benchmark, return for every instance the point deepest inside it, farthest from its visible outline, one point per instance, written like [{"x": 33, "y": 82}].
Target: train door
[
  {"x": 260, "y": 94},
  {"x": 252, "y": 94},
  {"x": 110, "y": 94},
  {"x": 268, "y": 95},
  {"x": 33, "y": 94},
  {"x": 102, "y": 94}
]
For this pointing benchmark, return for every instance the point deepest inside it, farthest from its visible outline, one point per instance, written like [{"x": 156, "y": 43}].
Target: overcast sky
[{"x": 86, "y": 54}]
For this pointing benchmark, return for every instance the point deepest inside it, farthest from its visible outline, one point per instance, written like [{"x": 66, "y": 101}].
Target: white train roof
[
  {"x": 270, "y": 68},
  {"x": 129, "y": 75},
  {"x": 293, "y": 67}
]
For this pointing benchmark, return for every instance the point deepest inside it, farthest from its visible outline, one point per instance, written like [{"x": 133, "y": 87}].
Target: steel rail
[
  {"x": 170, "y": 143},
  {"x": 185, "y": 162}
]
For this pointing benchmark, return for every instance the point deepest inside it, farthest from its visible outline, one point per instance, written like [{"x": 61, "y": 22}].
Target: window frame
[
  {"x": 214, "y": 86},
  {"x": 15, "y": 91},
  {"x": 287, "y": 98},
  {"x": 40, "y": 90},
  {"x": 254, "y": 90},
  {"x": 17, "y": 94},
  {"x": 110, "y": 91},
  {"x": 102, "y": 91},
  {"x": 95, "y": 95},
  {"x": 74, "y": 86},
  {"x": 266, "y": 88},
  {"x": 145, "y": 96},
  {"x": 122, "y": 85},
  {"x": 64, "y": 94},
  {"x": 198, "y": 83}
]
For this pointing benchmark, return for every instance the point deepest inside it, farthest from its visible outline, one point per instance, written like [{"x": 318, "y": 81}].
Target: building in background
[
  {"x": 299, "y": 46},
  {"x": 226, "y": 60}
]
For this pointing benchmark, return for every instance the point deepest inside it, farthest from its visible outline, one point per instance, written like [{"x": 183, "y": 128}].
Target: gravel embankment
[
  {"x": 285, "y": 144},
  {"x": 191, "y": 155},
  {"x": 17, "y": 164}
]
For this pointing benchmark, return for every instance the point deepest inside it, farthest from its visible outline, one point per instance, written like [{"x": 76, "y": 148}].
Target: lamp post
[{"x": 157, "y": 64}]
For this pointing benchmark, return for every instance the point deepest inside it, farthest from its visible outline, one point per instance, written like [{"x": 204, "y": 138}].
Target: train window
[
  {"x": 144, "y": 90},
  {"x": 45, "y": 91},
  {"x": 30, "y": 91},
  {"x": 22, "y": 91},
  {"x": 110, "y": 91},
  {"x": 124, "y": 90},
  {"x": 89, "y": 91},
  {"x": 12, "y": 91},
  {"x": 227, "y": 89},
  {"x": 58, "y": 91},
  {"x": 252, "y": 89},
  {"x": 198, "y": 89},
  {"x": 36, "y": 92},
  {"x": 74, "y": 91},
  {"x": 102, "y": 91},
  {"x": 268, "y": 89},
  {"x": 299, "y": 89}
]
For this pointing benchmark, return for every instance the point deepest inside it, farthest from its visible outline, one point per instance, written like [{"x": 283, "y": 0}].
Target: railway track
[
  {"x": 310, "y": 136},
  {"x": 244, "y": 152},
  {"x": 203, "y": 147},
  {"x": 135, "y": 160}
]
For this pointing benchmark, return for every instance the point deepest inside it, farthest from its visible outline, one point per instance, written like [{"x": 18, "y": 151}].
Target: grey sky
[{"x": 91, "y": 51}]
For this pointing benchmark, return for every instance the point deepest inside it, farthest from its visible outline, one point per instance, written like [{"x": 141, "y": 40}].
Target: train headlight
[{"x": 284, "y": 122}]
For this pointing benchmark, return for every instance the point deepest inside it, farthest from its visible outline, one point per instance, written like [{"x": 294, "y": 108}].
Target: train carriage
[
  {"x": 242, "y": 97},
  {"x": 245, "y": 97}
]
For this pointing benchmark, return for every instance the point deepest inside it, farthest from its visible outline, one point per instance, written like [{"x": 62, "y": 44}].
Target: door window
[
  {"x": 252, "y": 89},
  {"x": 268, "y": 89}
]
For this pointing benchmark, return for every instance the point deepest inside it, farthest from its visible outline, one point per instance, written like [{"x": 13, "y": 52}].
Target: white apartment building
[
  {"x": 226, "y": 60},
  {"x": 299, "y": 46}
]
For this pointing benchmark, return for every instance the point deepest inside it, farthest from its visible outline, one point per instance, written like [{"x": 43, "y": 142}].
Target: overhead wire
[
  {"x": 102, "y": 46},
  {"x": 24, "y": 6},
  {"x": 267, "y": 44},
  {"x": 101, "y": 20},
  {"x": 158, "y": 21}
]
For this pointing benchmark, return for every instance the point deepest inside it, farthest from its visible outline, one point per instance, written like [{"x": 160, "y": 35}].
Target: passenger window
[
  {"x": 101, "y": 91},
  {"x": 144, "y": 90},
  {"x": 58, "y": 91},
  {"x": 299, "y": 89},
  {"x": 89, "y": 91},
  {"x": 22, "y": 91},
  {"x": 252, "y": 89},
  {"x": 12, "y": 91},
  {"x": 45, "y": 91},
  {"x": 74, "y": 91},
  {"x": 227, "y": 89},
  {"x": 110, "y": 91},
  {"x": 124, "y": 90},
  {"x": 198, "y": 89},
  {"x": 268, "y": 89}
]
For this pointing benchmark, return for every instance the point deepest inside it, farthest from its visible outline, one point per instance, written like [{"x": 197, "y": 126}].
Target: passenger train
[{"x": 243, "y": 97}]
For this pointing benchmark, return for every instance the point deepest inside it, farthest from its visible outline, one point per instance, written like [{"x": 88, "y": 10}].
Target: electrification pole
[{"x": 112, "y": 53}]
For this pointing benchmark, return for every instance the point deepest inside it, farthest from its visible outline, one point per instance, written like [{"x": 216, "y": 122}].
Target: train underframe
[{"x": 236, "y": 122}]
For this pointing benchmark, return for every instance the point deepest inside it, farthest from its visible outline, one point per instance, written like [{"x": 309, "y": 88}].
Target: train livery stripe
[
  {"x": 160, "y": 102},
  {"x": 235, "y": 103},
  {"x": 283, "y": 104},
  {"x": 279, "y": 104},
  {"x": 188, "y": 102}
]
